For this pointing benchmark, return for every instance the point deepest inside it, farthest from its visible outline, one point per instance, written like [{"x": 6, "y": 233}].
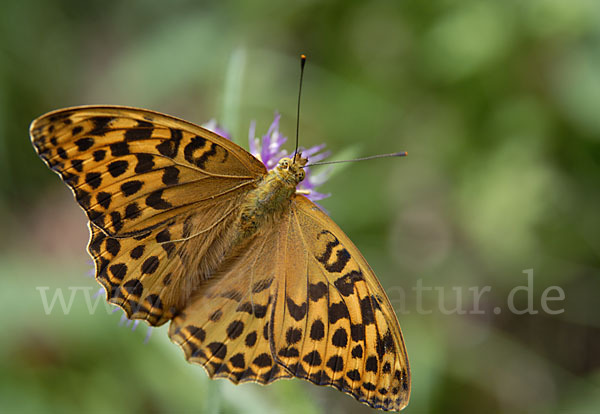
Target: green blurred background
[{"x": 497, "y": 104}]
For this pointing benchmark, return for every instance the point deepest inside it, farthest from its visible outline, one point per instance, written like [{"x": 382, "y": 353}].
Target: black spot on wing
[
  {"x": 99, "y": 155},
  {"x": 263, "y": 360},
  {"x": 387, "y": 368},
  {"x": 84, "y": 144},
  {"x": 371, "y": 364},
  {"x": 137, "y": 134},
  {"x": 170, "y": 175},
  {"x": 150, "y": 265},
  {"x": 237, "y": 361},
  {"x": 345, "y": 284},
  {"x": 77, "y": 165},
  {"x": 366, "y": 309},
  {"x": 357, "y": 351},
  {"x": 250, "y": 339},
  {"x": 324, "y": 258},
  {"x": 357, "y": 331},
  {"x": 218, "y": 349},
  {"x": 338, "y": 311},
  {"x": 164, "y": 236},
  {"x": 117, "y": 221},
  {"x": 235, "y": 329},
  {"x": 259, "y": 311},
  {"x": 100, "y": 125},
  {"x": 216, "y": 315},
  {"x": 119, "y": 149},
  {"x": 96, "y": 217},
  {"x": 195, "y": 144},
  {"x": 336, "y": 363},
  {"x": 170, "y": 147},
  {"x": 137, "y": 252},
  {"x": 145, "y": 163},
  {"x": 104, "y": 199},
  {"x": 134, "y": 287},
  {"x": 340, "y": 338},
  {"x": 83, "y": 198},
  {"x": 316, "y": 291},
  {"x": 354, "y": 375},
  {"x": 93, "y": 179},
  {"x": 317, "y": 330},
  {"x": 132, "y": 211},
  {"x": 342, "y": 259},
  {"x": 289, "y": 352},
  {"x": 369, "y": 386},
  {"x": 117, "y": 168},
  {"x": 156, "y": 201},
  {"x": 313, "y": 358},
  {"x": 384, "y": 344},
  {"x": 154, "y": 301},
  {"x": 118, "y": 271},
  {"x": 262, "y": 285},
  {"x": 293, "y": 335},
  {"x": 131, "y": 187},
  {"x": 296, "y": 311}
]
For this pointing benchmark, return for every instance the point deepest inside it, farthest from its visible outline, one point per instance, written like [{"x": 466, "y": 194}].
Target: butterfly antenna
[
  {"x": 302, "y": 63},
  {"x": 372, "y": 157}
]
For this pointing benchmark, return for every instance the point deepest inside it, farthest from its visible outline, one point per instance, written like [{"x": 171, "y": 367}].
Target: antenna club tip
[
  {"x": 404, "y": 154},
  {"x": 303, "y": 56}
]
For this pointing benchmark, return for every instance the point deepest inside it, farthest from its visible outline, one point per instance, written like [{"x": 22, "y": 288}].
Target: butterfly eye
[
  {"x": 284, "y": 163},
  {"x": 300, "y": 176}
]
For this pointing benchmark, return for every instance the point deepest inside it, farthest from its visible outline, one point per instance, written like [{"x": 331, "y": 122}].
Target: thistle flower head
[{"x": 269, "y": 150}]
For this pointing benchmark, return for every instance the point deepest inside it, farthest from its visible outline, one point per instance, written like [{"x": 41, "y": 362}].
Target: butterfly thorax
[{"x": 272, "y": 195}]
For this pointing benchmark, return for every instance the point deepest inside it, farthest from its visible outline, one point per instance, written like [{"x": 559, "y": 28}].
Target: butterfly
[{"x": 257, "y": 281}]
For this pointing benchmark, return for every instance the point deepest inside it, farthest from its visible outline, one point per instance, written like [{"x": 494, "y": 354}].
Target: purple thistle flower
[
  {"x": 268, "y": 149},
  {"x": 214, "y": 127}
]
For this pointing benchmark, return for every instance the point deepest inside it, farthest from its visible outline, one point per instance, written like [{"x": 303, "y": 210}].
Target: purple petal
[
  {"x": 275, "y": 124},
  {"x": 264, "y": 151},
  {"x": 269, "y": 150},
  {"x": 319, "y": 157},
  {"x": 316, "y": 196},
  {"x": 308, "y": 152},
  {"x": 320, "y": 178},
  {"x": 148, "y": 333},
  {"x": 214, "y": 127}
]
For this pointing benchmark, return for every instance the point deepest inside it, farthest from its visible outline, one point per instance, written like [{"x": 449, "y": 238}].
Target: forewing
[
  {"x": 132, "y": 170},
  {"x": 158, "y": 191},
  {"x": 333, "y": 323}
]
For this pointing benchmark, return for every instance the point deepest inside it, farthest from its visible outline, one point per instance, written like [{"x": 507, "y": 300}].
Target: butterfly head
[{"x": 292, "y": 170}]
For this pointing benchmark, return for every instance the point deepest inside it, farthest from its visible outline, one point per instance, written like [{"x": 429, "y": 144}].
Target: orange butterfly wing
[
  {"x": 226, "y": 326},
  {"x": 333, "y": 323},
  {"x": 160, "y": 194},
  {"x": 299, "y": 300}
]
